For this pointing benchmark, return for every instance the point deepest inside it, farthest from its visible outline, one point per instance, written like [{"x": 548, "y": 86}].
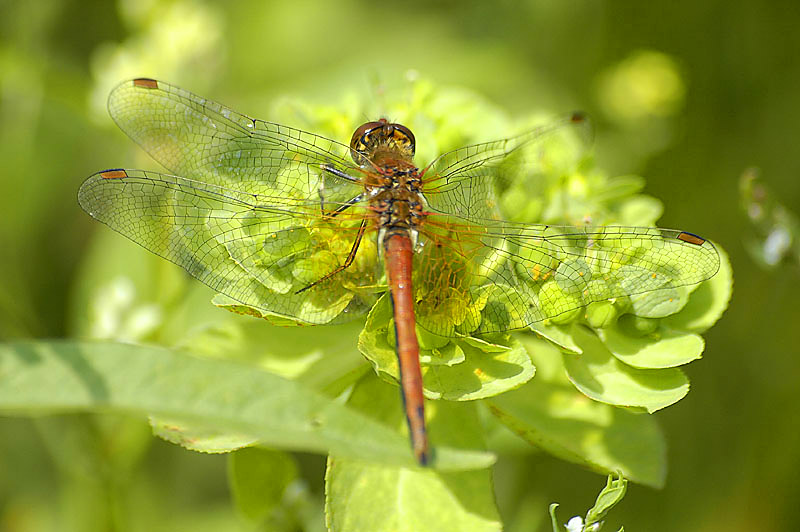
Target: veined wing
[
  {"x": 239, "y": 243},
  {"x": 477, "y": 279},
  {"x": 206, "y": 141},
  {"x": 462, "y": 182}
]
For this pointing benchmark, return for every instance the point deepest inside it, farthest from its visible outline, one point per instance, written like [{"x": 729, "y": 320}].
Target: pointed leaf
[
  {"x": 663, "y": 348},
  {"x": 42, "y": 377},
  {"x": 411, "y": 499},
  {"x": 552, "y": 415},
  {"x": 484, "y": 373},
  {"x": 600, "y": 376},
  {"x": 362, "y": 496},
  {"x": 556, "y": 334},
  {"x": 195, "y": 437}
]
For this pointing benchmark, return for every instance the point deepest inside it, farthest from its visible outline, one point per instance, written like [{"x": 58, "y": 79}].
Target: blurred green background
[{"x": 687, "y": 94}]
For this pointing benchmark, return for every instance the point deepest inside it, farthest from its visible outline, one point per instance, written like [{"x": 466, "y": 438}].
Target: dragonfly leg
[
  {"x": 338, "y": 173},
  {"x": 344, "y": 206},
  {"x": 326, "y": 168},
  {"x": 348, "y": 261}
]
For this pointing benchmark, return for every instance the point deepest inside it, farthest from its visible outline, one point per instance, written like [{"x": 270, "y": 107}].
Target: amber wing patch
[
  {"x": 114, "y": 174},
  {"x": 145, "y": 83},
  {"x": 691, "y": 238}
]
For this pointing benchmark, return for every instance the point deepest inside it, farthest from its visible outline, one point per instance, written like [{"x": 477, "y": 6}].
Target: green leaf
[
  {"x": 663, "y": 348},
  {"x": 484, "y": 373},
  {"x": 449, "y": 355},
  {"x": 410, "y": 499},
  {"x": 561, "y": 293},
  {"x": 610, "y": 496},
  {"x": 708, "y": 302},
  {"x": 659, "y": 303},
  {"x": 633, "y": 325},
  {"x": 374, "y": 340},
  {"x": 602, "y": 377},
  {"x": 40, "y": 377},
  {"x": 258, "y": 479},
  {"x": 558, "y": 335},
  {"x": 601, "y": 314},
  {"x": 197, "y": 438},
  {"x": 326, "y": 360},
  {"x": 555, "y": 417},
  {"x": 362, "y": 496},
  {"x": 231, "y": 305}
]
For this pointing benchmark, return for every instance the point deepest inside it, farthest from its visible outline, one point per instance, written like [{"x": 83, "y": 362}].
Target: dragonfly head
[{"x": 382, "y": 139}]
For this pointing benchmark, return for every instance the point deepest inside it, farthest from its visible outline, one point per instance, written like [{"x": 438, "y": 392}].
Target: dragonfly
[{"x": 304, "y": 227}]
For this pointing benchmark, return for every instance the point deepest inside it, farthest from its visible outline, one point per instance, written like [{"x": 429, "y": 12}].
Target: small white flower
[
  {"x": 776, "y": 244},
  {"x": 575, "y": 524}
]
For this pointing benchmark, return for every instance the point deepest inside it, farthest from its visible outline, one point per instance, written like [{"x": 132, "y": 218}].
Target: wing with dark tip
[
  {"x": 240, "y": 244},
  {"x": 497, "y": 276},
  {"x": 205, "y": 141}
]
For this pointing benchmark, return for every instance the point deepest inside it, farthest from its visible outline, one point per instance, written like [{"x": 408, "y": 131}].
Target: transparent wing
[
  {"x": 499, "y": 276},
  {"x": 206, "y": 141},
  {"x": 240, "y": 244},
  {"x": 463, "y": 182}
]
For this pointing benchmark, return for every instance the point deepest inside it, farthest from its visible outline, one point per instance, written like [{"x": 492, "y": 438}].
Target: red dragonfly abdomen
[{"x": 398, "y": 252}]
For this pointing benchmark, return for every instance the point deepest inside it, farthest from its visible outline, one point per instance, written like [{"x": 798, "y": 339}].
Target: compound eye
[
  {"x": 361, "y": 135},
  {"x": 405, "y": 137}
]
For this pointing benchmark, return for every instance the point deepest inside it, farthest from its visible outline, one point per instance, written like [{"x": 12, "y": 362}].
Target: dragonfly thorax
[{"x": 396, "y": 198}]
